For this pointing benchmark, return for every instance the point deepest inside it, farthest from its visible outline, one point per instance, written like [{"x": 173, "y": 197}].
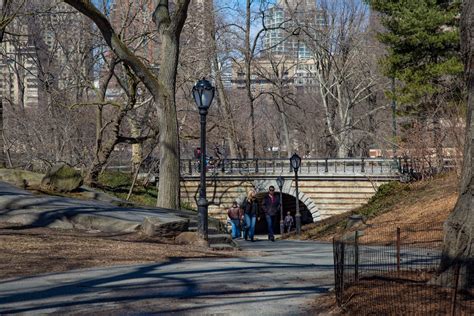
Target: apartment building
[
  {"x": 48, "y": 52},
  {"x": 285, "y": 57}
]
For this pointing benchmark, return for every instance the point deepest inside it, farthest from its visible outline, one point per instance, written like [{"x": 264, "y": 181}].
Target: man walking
[{"x": 271, "y": 205}]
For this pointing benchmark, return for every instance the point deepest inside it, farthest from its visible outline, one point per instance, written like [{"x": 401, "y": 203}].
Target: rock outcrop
[{"x": 62, "y": 178}]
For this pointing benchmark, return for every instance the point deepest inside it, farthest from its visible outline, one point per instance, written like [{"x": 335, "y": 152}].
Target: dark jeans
[
  {"x": 270, "y": 219},
  {"x": 249, "y": 226},
  {"x": 235, "y": 228}
]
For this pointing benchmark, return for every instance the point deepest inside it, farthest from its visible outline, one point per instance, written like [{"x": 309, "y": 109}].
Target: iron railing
[
  {"x": 373, "y": 166},
  {"x": 394, "y": 271},
  {"x": 409, "y": 169}
]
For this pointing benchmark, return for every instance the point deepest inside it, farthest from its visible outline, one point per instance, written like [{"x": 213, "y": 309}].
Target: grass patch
[
  {"x": 387, "y": 195},
  {"x": 118, "y": 184}
]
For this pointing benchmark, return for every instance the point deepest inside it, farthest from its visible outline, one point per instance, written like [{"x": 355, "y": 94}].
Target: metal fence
[{"x": 394, "y": 271}]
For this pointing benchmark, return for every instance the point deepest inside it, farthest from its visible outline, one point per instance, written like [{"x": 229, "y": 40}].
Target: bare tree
[
  {"x": 342, "y": 72},
  {"x": 276, "y": 72},
  {"x": 8, "y": 11},
  {"x": 169, "y": 23},
  {"x": 225, "y": 107}
]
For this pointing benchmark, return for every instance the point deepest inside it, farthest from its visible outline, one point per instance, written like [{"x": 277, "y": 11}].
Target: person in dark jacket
[
  {"x": 251, "y": 212},
  {"x": 235, "y": 215},
  {"x": 271, "y": 205}
]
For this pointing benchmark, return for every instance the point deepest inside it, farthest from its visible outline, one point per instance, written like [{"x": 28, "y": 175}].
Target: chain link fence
[{"x": 394, "y": 271}]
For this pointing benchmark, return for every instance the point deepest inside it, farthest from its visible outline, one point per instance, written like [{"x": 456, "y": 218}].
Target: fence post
[
  {"x": 356, "y": 256},
  {"x": 256, "y": 165},
  {"x": 362, "y": 166},
  {"x": 456, "y": 284},
  {"x": 338, "y": 248},
  {"x": 398, "y": 249},
  {"x": 326, "y": 167},
  {"x": 190, "y": 167}
]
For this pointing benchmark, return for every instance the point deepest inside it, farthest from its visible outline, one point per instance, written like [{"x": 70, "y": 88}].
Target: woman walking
[{"x": 251, "y": 211}]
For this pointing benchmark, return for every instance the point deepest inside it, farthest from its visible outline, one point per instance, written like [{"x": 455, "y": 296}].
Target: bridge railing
[{"x": 310, "y": 166}]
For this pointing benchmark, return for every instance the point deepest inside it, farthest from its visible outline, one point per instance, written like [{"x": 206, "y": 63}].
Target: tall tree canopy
[{"x": 422, "y": 37}]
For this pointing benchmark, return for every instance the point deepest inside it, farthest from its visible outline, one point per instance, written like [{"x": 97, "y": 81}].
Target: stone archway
[{"x": 262, "y": 186}]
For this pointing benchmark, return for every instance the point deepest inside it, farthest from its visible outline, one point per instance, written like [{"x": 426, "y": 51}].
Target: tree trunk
[
  {"x": 286, "y": 133},
  {"x": 104, "y": 151},
  {"x": 343, "y": 146},
  {"x": 169, "y": 185},
  {"x": 2, "y": 142},
  {"x": 459, "y": 228},
  {"x": 224, "y": 105},
  {"x": 137, "y": 149},
  {"x": 248, "y": 82},
  {"x": 222, "y": 99}
]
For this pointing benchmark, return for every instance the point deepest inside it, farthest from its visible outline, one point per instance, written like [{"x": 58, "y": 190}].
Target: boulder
[
  {"x": 153, "y": 226},
  {"x": 62, "y": 178},
  {"x": 21, "y": 178},
  {"x": 356, "y": 221},
  {"x": 190, "y": 238}
]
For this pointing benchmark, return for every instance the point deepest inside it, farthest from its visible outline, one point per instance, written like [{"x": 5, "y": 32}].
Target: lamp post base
[
  {"x": 202, "y": 218},
  {"x": 298, "y": 224}
]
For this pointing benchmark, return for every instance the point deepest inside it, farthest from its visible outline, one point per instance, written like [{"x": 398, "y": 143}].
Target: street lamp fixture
[
  {"x": 295, "y": 162},
  {"x": 203, "y": 93},
  {"x": 280, "y": 180}
]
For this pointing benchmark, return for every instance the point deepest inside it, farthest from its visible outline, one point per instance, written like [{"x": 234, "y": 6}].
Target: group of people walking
[{"x": 244, "y": 217}]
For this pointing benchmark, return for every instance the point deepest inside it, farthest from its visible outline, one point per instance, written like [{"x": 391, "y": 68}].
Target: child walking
[{"x": 288, "y": 222}]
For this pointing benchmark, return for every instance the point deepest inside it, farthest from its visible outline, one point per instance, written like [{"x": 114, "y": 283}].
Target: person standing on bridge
[
  {"x": 271, "y": 205},
  {"x": 251, "y": 211}
]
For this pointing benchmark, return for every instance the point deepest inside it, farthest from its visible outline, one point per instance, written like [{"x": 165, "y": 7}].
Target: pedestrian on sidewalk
[
  {"x": 235, "y": 214},
  {"x": 288, "y": 222},
  {"x": 251, "y": 212},
  {"x": 271, "y": 205}
]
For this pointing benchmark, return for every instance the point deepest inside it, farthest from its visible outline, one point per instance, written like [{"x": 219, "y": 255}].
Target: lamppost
[
  {"x": 280, "y": 180},
  {"x": 203, "y": 93},
  {"x": 295, "y": 162}
]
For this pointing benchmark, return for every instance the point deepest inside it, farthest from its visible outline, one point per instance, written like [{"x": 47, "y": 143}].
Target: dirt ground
[
  {"x": 31, "y": 251},
  {"x": 414, "y": 297}
]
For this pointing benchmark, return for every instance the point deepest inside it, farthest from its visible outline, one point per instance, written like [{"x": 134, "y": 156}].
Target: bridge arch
[{"x": 262, "y": 185}]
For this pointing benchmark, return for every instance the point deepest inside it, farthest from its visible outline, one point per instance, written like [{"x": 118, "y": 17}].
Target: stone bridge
[{"x": 327, "y": 187}]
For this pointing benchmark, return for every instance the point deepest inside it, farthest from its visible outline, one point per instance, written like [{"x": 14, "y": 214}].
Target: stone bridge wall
[{"x": 323, "y": 197}]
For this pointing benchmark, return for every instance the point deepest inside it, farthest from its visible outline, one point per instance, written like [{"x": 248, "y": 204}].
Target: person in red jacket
[{"x": 235, "y": 214}]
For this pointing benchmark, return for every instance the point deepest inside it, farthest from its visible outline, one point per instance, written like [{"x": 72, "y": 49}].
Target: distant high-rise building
[
  {"x": 286, "y": 56},
  {"x": 285, "y": 20},
  {"x": 50, "y": 52}
]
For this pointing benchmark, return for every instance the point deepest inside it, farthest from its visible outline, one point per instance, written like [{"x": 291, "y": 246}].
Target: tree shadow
[{"x": 157, "y": 282}]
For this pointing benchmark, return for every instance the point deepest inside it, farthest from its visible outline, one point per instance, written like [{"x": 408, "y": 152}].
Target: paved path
[{"x": 283, "y": 281}]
